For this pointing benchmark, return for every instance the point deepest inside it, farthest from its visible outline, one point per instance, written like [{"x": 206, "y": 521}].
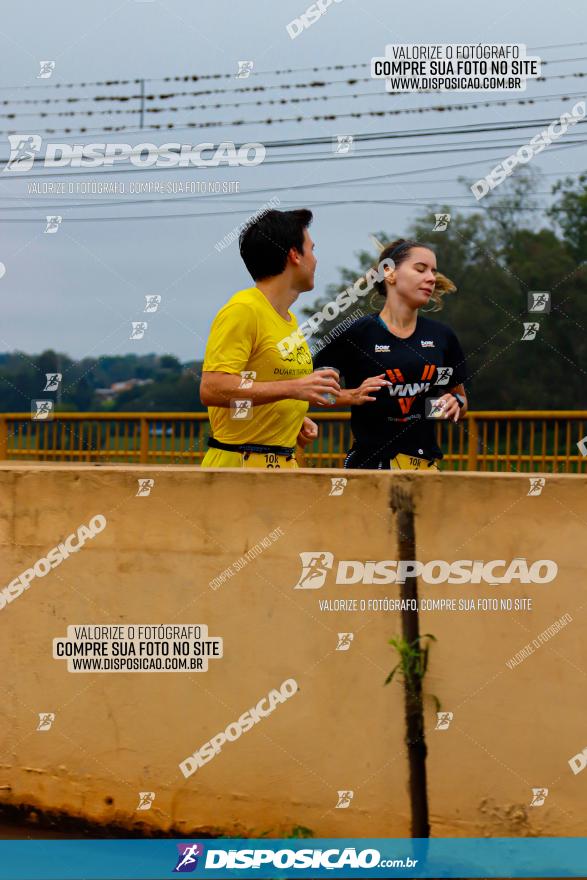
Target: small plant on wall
[{"x": 411, "y": 668}]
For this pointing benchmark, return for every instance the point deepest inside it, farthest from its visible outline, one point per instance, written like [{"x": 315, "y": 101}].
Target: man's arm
[{"x": 218, "y": 389}]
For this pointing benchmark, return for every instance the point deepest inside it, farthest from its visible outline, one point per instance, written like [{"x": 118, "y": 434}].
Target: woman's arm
[
  {"x": 360, "y": 395},
  {"x": 450, "y": 405}
]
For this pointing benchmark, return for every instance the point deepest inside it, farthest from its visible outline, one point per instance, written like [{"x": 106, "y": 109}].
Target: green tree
[{"x": 569, "y": 212}]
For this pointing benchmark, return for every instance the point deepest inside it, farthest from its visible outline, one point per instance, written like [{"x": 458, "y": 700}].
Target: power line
[
  {"x": 556, "y": 46},
  {"x": 207, "y": 76},
  {"x": 215, "y": 106},
  {"x": 380, "y": 152},
  {"x": 466, "y": 128},
  {"x": 272, "y": 121},
  {"x": 410, "y": 152},
  {"x": 394, "y": 174},
  {"x": 209, "y": 214},
  {"x": 371, "y": 180},
  {"x": 100, "y": 203},
  {"x": 281, "y": 101},
  {"x": 238, "y": 89}
]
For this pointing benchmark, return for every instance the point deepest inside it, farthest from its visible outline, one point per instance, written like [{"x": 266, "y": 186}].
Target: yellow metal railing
[{"x": 528, "y": 441}]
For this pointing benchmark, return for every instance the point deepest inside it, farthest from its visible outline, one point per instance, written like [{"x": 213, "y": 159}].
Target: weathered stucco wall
[{"x": 117, "y": 734}]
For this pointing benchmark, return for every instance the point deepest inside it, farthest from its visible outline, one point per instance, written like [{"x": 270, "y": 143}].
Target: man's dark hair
[{"x": 265, "y": 244}]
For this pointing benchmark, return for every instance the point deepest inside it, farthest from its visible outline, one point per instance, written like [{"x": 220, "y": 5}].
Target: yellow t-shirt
[{"x": 244, "y": 336}]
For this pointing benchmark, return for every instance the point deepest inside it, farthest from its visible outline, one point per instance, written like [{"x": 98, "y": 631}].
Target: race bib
[{"x": 268, "y": 460}]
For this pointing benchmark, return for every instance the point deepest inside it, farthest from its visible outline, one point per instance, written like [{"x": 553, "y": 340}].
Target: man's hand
[
  {"x": 314, "y": 386},
  {"x": 308, "y": 432}
]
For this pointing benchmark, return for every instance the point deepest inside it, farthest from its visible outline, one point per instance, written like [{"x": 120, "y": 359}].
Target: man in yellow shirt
[{"x": 256, "y": 390}]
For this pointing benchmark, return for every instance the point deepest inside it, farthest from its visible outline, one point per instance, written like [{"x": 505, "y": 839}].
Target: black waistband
[{"x": 251, "y": 447}]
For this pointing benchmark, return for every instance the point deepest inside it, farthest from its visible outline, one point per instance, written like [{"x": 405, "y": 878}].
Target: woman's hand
[
  {"x": 361, "y": 395},
  {"x": 449, "y": 406}
]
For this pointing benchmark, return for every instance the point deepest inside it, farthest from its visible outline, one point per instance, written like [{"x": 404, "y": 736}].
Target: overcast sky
[{"x": 78, "y": 290}]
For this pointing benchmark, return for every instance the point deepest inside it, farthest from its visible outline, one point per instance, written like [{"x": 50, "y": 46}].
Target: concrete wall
[{"x": 116, "y": 734}]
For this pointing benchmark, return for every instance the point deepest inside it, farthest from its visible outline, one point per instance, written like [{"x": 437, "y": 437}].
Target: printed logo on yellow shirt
[{"x": 300, "y": 356}]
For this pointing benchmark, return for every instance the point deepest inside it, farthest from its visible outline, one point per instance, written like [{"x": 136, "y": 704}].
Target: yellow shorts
[
  {"x": 403, "y": 462},
  {"x": 217, "y": 458}
]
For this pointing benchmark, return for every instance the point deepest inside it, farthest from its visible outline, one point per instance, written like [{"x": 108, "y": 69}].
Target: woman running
[{"x": 401, "y": 370}]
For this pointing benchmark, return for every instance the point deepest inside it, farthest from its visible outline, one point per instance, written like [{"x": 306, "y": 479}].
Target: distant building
[{"x": 107, "y": 394}]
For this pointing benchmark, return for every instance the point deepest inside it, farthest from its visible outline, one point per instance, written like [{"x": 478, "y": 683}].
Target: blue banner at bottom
[{"x": 309, "y": 858}]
